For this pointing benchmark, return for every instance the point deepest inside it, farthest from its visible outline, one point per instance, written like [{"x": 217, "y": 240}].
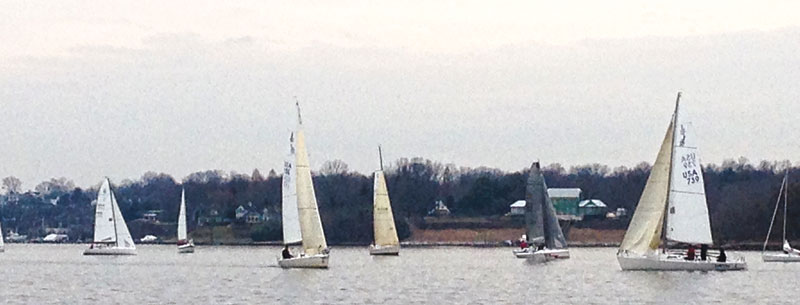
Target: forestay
[
  {"x": 104, "y": 231},
  {"x": 383, "y": 219},
  {"x": 687, "y": 216},
  {"x": 310, "y": 223},
  {"x": 644, "y": 231},
  {"x": 291, "y": 222}
]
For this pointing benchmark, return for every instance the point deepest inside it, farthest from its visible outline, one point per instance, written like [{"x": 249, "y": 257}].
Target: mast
[
  {"x": 775, "y": 213},
  {"x": 669, "y": 180},
  {"x": 785, "y": 201},
  {"x": 380, "y": 156},
  {"x": 113, "y": 213}
]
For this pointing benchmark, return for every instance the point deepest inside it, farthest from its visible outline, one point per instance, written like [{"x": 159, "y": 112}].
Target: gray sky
[{"x": 93, "y": 88}]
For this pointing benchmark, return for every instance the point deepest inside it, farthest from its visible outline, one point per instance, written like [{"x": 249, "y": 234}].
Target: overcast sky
[{"x": 96, "y": 88}]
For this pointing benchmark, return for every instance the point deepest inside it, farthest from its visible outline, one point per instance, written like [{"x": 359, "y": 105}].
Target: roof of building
[
  {"x": 592, "y": 203},
  {"x": 564, "y": 192},
  {"x": 518, "y": 204}
]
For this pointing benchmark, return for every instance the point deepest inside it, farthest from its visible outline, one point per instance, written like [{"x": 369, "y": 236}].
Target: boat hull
[
  {"x": 542, "y": 255},
  {"x": 186, "y": 248},
  {"x": 110, "y": 251},
  {"x": 384, "y": 250},
  {"x": 780, "y": 257},
  {"x": 677, "y": 263},
  {"x": 319, "y": 261}
]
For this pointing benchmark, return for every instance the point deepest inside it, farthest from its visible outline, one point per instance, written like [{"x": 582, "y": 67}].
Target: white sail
[
  {"x": 644, "y": 231},
  {"x": 383, "y": 219},
  {"x": 291, "y": 221},
  {"x": 687, "y": 212},
  {"x": 124, "y": 239},
  {"x": 104, "y": 231},
  {"x": 310, "y": 223},
  {"x": 182, "y": 236},
  {"x": 1, "y": 237}
]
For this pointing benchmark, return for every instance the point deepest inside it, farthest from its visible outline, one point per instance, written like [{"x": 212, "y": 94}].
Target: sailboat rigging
[
  {"x": 788, "y": 253},
  {"x": 111, "y": 235},
  {"x": 543, "y": 233},
  {"x": 385, "y": 233}
]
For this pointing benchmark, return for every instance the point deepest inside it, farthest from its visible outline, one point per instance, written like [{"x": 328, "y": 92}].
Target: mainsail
[
  {"x": 104, "y": 228},
  {"x": 182, "y": 236},
  {"x": 310, "y": 223},
  {"x": 291, "y": 222},
  {"x": 383, "y": 220},
  {"x": 687, "y": 216},
  {"x": 644, "y": 232},
  {"x": 543, "y": 227}
]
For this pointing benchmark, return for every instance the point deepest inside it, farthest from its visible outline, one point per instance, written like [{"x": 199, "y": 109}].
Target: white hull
[
  {"x": 313, "y": 261},
  {"x": 384, "y": 250},
  {"x": 542, "y": 255},
  {"x": 187, "y": 248},
  {"x": 677, "y": 263},
  {"x": 776, "y": 257},
  {"x": 110, "y": 251}
]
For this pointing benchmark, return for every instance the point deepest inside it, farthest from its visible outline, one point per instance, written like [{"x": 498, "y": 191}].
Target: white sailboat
[
  {"x": 788, "y": 254},
  {"x": 301, "y": 221},
  {"x": 542, "y": 231},
  {"x": 111, "y": 235},
  {"x": 185, "y": 245},
  {"x": 672, "y": 209},
  {"x": 2, "y": 243},
  {"x": 385, "y": 233}
]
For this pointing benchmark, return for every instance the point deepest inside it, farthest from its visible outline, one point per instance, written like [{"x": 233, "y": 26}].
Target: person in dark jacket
[
  {"x": 722, "y": 257},
  {"x": 703, "y": 252},
  {"x": 286, "y": 254}
]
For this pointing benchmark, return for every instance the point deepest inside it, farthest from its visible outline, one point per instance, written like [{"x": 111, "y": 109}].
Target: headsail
[
  {"x": 104, "y": 230},
  {"x": 644, "y": 231},
  {"x": 383, "y": 219},
  {"x": 291, "y": 222},
  {"x": 687, "y": 211},
  {"x": 124, "y": 239},
  {"x": 537, "y": 196},
  {"x": 182, "y": 235},
  {"x": 310, "y": 222}
]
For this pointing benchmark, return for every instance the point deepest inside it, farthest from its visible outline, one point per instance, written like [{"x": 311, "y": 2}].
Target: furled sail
[
  {"x": 687, "y": 211},
  {"x": 553, "y": 236},
  {"x": 124, "y": 239},
  {"x": 1, "y": 237},
  {"x": 310, "y": 222},
  {"x": 291, "y": 222},
  {"x": 383, "y": 219},
  {"x": 182, "y": 236},
  {"x": 104, "y": 230},
  {"x": 644, "y": 231}
]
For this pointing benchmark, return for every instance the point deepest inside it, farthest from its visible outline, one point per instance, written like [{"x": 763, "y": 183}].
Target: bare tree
[
  {"x": 12, "y": 185},
  {"x": 334, "y": 167}
]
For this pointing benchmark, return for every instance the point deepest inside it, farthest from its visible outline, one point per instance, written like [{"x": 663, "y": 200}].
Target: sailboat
[
  {"x": 789, "y": 254},
  {"x": 385, "y": 233},
  {"x": 301, "y": 221},
  {"x": 111, "y": 235},
  {"x": 672, "y": 209},
  {"x": 542, "y": 231},
  {"x": 2, "y": 244},
  {"x": 185, "y": 245}
]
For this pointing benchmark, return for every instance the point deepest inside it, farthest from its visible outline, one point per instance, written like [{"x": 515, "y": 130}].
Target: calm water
[{"x": 59, "y": 274}]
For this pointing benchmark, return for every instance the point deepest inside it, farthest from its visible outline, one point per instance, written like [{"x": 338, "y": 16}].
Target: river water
[{"x": 59, "y": 274}]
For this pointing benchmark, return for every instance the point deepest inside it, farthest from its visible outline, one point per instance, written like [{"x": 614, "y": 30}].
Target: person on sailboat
[
  {"x": 286, "y": 253},
  {"x": 703, "y": 252},
  {"x": 523, "y": 244},
  {"x": 722, "y": 257},
  {"x": 690, "y": 253}
]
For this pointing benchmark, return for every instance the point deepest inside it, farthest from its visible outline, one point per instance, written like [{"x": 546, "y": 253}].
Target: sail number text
[{"x": 690, "y": 165}]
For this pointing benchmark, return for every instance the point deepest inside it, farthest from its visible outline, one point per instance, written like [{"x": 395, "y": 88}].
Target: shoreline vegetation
[{"x": 234, "y": 208}]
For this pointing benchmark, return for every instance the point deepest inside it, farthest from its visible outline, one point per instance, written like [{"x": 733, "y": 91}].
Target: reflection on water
[{"x": 59, "y": 274}]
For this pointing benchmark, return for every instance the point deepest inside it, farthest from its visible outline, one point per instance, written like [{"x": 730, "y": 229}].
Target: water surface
[{"x": 59, "y": 274}]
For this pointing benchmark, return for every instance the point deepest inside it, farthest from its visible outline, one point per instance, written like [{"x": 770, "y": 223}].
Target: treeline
[{"x": 741, "y": 196}]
